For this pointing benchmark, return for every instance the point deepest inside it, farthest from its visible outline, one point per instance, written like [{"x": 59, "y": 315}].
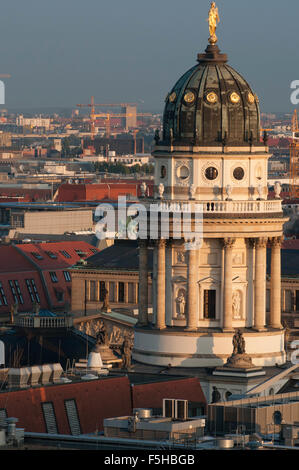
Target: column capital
[
  {"x": 251, "y": 242},
  {"x": 161, "y": 243},
  {"x": 261, "y": 242},
  {"x": 276, "y": 242},
  {"x": 228, "y": 243}
]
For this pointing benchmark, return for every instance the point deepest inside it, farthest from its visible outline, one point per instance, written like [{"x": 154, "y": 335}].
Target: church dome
[{"x": 212, "y": 105}]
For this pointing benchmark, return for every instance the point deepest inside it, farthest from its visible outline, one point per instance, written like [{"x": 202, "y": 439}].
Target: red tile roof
[
  {"x": 111, "y": 190},
  {"x": 95, "y": 400},
  {"x": 56, "y": 255},
  {"x": 151, "y": 395},
  {"x": 50, "y": 262}
]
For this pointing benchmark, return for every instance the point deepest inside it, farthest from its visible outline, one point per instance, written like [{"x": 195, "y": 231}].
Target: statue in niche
[
  {"x": 181, "y": 257},
  {"x": 181, "y": 303},
  {"x": 236, "y": 304}
]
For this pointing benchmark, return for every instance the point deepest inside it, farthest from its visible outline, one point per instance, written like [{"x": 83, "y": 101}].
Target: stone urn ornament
[
  {"x": 161, "y": 190},
  {"x": 192, "y": 191},
  {"x": 143, "y": 188},
  {"x": 260, "y": 191},
  {"x": 228, "y": 190},
  {"x": 277, "y": 189}
]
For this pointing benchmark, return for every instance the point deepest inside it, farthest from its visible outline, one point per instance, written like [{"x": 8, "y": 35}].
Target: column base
[
  {"x": 159, "y": 327},
  {"x": 191, "y": 328},
  {"x": 276, "y": 327},
  {"x": 228, "y": 330},
  {"x": 259, "y": 329}
]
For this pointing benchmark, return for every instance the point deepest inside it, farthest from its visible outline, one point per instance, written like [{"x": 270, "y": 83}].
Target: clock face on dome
[
  {"x": 189, "y": 97},
  {"x": 172, "y": 97},
  {"x": 234, "y": 97},
  {"x": 211, "y": 97}
]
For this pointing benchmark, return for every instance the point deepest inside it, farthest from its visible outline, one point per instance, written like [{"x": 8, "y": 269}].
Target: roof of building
[
  {"x": 123, "y": 255},
  {"x": 56, "y": 255},
  {"x": 212, "y": 104},
  {"x": 111, "y": 190},
  {"x": 38, "y": 273},
  {"x": 95, "y": 400}
]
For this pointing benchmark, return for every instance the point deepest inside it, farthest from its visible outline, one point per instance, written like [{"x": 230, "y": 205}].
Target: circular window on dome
[
  {"x": 211, "y": 173},
  {"x": 183, "y": 172},
  {"x": 234, "y": 97},
  {"x": 172, "y": 97},
  {"x": 250, "y": 98},
  {"x": 239, "y": 173},
  {"x": 189, "y": 97},
  {"x": 211, "y": 97}
]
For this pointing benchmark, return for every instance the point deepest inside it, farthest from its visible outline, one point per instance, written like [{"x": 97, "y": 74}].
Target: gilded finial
[{"x": 213, "y": 22}]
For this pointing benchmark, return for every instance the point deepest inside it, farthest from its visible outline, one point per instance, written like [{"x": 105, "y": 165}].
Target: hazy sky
[{"x": 60, "y": 52}]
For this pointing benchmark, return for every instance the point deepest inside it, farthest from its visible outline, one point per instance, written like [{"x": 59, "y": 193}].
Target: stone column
[
  {"x": 192, "y": 290},
  {"x": 275, "y": 289},
  {"x": 260, "y": 284},
  {"x": 126, "y": 293},
  {"x": 97, "y": 291},
  {"x": 160, "y": 317},
  {"x": 143, "y": 283},
  {"x": 136, "y": 286},
  {"x": 228, "y": 281},
  {"x": 87, "y": 290}
]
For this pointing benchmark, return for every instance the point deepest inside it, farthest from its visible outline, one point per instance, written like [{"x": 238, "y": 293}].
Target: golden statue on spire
[{"x": 213, "y": 22}]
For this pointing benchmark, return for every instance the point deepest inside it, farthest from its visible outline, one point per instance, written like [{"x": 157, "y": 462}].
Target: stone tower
[{"x": 211, "y": 153}]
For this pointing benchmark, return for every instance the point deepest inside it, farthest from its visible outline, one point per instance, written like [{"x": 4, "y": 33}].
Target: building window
[
  {"x": 73, "y": 417},
  {"x": 131, "y": 292},
  {"x": 67, "y": 276},
  {"x": 36, "y": 255},
  {"x": 121, "y": 291},
  {"x": 16, "y": 292},
  {"x": 49, "y": 417},
  {"x": 297, "y": 300},
  {"x": 92, "y": 294},
  {"x": 59, "y": 295},
  {"x": 53, "y": 276},
  {"x": 111, "y": 291},
  {"x": 51, "y": 254},
  {"x": 32, "y": 290},
  {"x": 102, "y": 290},
  {"x": 65, "y": 254},
  {"x": 210, "y": 304},
  {"x": 81, "y": 253},
  {"x": 3, "y": 300}
]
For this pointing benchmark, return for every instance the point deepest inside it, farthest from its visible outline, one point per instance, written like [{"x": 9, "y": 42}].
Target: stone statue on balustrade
[{"x": 239, "y": 359}]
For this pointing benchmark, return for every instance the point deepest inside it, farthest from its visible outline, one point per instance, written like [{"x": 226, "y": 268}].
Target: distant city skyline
[{"x": 61, "y": 53}]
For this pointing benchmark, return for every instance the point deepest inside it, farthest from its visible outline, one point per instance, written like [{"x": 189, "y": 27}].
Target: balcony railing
[
  {"x": 221, "y": 207},
  {"x": 44, "y": 322}
]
